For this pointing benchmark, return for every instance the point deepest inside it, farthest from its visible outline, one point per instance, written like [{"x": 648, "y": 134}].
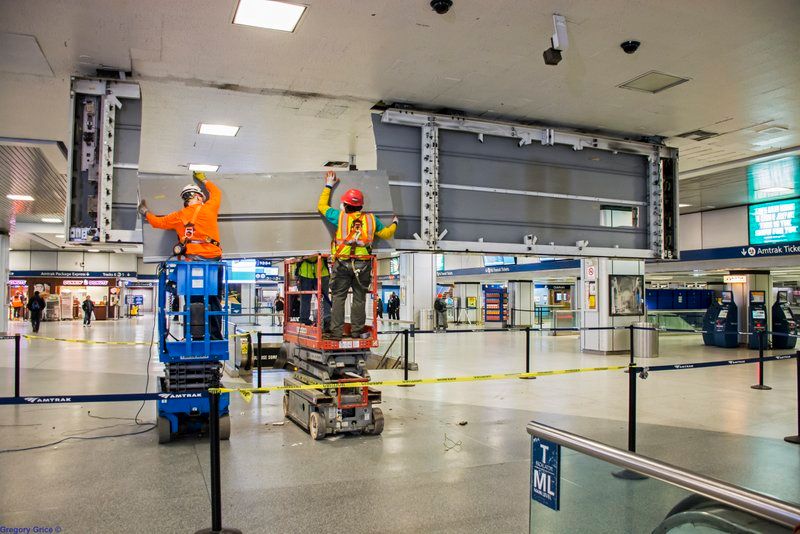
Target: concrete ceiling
[{"x": 304, "y": 98}]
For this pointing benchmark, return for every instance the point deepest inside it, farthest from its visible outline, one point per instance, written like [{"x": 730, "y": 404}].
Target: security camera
[
  {"x": 629, "y": 47},
  {"x": 441, "y": 6},
  {"x": 552, "y": 56}
]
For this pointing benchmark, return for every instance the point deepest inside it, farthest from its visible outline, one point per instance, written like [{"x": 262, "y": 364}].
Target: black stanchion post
[
  {"x": 16, "y": 364},
  {"x": 259, "y": 359},
  {"x": 406, "y": 335},
  {"x": 626, "y": 473},
  {"x": 760, "y": 385},
  {"x": 796, "y": 438},
  {"x": 527, "y": 353},
  {"x": 216, "y": 487}
]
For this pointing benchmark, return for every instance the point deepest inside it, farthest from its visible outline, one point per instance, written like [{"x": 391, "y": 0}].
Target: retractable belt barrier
[
  {"x": 111, "y": 397},
  {"x": 717, "y": 363}
]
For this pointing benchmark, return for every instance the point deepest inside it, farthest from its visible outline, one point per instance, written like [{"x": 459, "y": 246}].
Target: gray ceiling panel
[
  {"x": 264, "y": 214},
  {"x": 25, "y": 170}
]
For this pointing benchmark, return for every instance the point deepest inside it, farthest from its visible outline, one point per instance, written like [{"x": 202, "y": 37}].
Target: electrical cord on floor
[
  {"x": 77, "y": 438},
  {"x": 147, "y": 367}
]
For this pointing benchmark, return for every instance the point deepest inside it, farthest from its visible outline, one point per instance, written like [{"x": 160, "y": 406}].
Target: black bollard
[
  {"x": 258, "y": 366},
  {"x": 796, "y": 438},
  {"x": 405, "y": 356},
  {"x": 627, "y": 474},
  {"x": 216, "y": 488},
  {"x": 760, "y": 384},
  {"x": 527, "y": 354},
  {"x": 16, "y": 364}
]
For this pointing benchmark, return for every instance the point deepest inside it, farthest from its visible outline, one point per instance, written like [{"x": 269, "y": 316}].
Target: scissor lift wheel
[
  {"x": 286, "y": 405},
  {"x": 164, "y": 430},
  {"x": 316, "y": 426},
  {"x": 377, "y": 423},
  {"x": 225, "y": 427}
]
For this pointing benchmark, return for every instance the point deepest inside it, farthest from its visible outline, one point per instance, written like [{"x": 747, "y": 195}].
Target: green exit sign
[{"x": 774, "y": 222}]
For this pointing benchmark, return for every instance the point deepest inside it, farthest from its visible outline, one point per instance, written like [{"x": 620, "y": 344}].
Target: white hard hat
[{"x": 190, "y": 190}]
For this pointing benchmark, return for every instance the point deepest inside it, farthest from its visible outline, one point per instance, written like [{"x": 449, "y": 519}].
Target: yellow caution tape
[
  {"x": 89, "y": 341},
  {"x": 247, "y": 393}
]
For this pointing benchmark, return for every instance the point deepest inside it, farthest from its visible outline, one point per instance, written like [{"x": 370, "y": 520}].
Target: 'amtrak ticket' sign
[{"x": 545, "y": 472}]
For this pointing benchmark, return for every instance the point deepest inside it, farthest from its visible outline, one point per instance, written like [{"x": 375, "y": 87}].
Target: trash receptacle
[
  {"x": 645, "y": 340},
  {"x": 425, "y": 321}
]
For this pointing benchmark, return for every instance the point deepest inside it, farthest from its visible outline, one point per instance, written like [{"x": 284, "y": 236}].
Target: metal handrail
[{"x": 780, "y": 512}]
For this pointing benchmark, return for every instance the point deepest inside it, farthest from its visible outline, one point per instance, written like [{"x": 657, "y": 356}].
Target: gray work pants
[
  {"x": 310, "y": 284},
  {"x": 347, "y": 275}
]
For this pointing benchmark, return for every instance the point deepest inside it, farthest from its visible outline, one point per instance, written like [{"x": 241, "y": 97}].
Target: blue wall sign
[{"x": 545, "y": 472}]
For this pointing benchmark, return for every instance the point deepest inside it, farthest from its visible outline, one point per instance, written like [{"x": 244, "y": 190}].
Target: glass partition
[{"x": 573, "y": 488}]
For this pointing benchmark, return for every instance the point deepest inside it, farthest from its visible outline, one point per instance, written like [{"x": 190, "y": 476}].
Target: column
[
  {"x": 417, "y": 285},
  {"x": 5, "y": 243},
  {"x": 612, "y": 295}
]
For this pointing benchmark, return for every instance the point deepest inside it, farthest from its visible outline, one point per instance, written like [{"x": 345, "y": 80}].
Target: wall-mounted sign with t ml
[{"x": 774, "y": 222}]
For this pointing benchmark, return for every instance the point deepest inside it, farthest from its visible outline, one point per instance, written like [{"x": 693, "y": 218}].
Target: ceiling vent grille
[
  {"x": 698, "y": 135},
  {"x": 653, "y": 82},
  {"x": 337, "y": 164}
]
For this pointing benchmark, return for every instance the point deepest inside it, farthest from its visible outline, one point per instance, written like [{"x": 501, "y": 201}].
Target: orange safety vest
[{"x": 354, "y": 235}]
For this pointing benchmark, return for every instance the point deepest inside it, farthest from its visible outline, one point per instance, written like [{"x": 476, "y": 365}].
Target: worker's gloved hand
[
  {"x": 143, "y": 209},
  {"x": 199, "y": 176},
  {"x": 395, "y": 220},
  {"x": 331, "y": 179}
]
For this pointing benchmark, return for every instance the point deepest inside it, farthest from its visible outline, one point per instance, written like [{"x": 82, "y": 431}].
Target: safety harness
[
  {"x": 362, "y": 234},
  {"x": 188, "y": 232}
]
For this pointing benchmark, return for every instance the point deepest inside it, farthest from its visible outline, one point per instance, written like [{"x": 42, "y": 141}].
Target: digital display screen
[
  {"x": 494, "y": 261},
  {"x": 757, "y": 297},
  {"x": 759, "y": 314},
  {"x": 242, "y": 272},
  {"x": 723, "y": 314},
  {"x": 727, "y": 296},
  {"x": 774, "y": 222}
]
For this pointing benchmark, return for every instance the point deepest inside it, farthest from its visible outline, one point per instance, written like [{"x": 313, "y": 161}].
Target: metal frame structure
[
  {"x": 98, "y": 161},
  {"x": 662, "y": 186}
]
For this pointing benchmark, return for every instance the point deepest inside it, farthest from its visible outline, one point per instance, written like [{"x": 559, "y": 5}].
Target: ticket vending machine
[
  {"x": 709, "y": 321},
  {"x": 783, "y": 322},
  {"x": 726, "y": 327},
  {"x": 757, "y": 318}
]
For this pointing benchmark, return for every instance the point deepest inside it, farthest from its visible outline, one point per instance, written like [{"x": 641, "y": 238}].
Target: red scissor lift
[{"x": 317, "y": 360}]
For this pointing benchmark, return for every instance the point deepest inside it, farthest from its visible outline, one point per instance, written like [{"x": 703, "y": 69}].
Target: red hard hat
[{"x": 353, "y": 197}]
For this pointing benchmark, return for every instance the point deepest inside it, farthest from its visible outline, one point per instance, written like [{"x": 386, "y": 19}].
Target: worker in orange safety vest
[{"x": 350, "y": 253}]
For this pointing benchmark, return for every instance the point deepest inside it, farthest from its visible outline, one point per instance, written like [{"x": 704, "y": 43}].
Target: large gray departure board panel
[{"x": 263, "y": 215}]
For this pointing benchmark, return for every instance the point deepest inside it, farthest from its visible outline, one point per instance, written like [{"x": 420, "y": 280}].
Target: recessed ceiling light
[
  {"x": 59, "y": 236},
  {"x": 268, "y": 14},
  {"x": 202, "y": 167},
  {"x": 218, "y": 129},
  {"x": 684, "y": 205},
  {"x": 92, "y": 250},
  {"x": 26, "y": 198},
  {"x": 51, "y": 220},
  {"x": 653, "y": 82}
]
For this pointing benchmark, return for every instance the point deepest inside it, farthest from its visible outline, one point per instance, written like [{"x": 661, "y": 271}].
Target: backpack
[{"x": 35, "y": 306}]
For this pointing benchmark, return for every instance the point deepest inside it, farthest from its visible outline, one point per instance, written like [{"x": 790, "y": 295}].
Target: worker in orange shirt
[
  {"x": 350, "y": 251},
  {"x": 195, "y": 224},
  {"x": 198, "y": 232}
]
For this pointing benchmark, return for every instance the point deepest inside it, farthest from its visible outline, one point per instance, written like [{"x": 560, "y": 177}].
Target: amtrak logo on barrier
[
  {"x": 180, "y": 395},
  {"x": 37, "y": 400}
]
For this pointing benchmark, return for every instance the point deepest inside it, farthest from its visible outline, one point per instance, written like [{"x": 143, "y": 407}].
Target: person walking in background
[
  {"x": 279, "y": 304},
  {"x": 440, "y": 307},
  {"x": 16, "y": 304},
  {"x": 36, "y": 306},
  {"x": 394, "y": 306},
  {"x": 380, "y": 308},
  {"x": 88, "y": 310}
]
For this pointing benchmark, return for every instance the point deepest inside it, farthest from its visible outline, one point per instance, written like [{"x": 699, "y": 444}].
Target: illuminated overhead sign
[
  {"x": 774, "y": 222},
  {"x": 774, "y": 179},
  {"x": 734, "y": 279}
]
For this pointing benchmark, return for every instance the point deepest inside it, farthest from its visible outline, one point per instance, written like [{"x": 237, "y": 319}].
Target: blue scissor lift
[{"x": 192, "y": 352}]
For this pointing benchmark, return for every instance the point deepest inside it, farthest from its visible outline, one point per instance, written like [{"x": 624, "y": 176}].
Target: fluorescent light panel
[
  {"x": 92, "y": 250},
  {"x": 26, "y": 198},
  {"x": 684, "y": 205},
  {"x": 268, "y": 14},
  {"x": 219, "y": 129},
  {"x": 202, "y": 167},
  {"x": 59, "y": 236},
  {"x": 51, "y": 220}
]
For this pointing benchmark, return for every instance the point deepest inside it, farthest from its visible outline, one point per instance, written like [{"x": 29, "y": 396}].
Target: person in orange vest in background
[
  {"x": 16, "y": 303},
  {"x": 198, "y": 232},
  {"x": 350, "y": 251}
]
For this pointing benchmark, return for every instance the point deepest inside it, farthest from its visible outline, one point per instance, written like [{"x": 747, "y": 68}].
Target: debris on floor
[
  {"x": 450, "y": 444},
  {"x": 278, "y": 423},
  {"x": 462, "y": 423}
]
